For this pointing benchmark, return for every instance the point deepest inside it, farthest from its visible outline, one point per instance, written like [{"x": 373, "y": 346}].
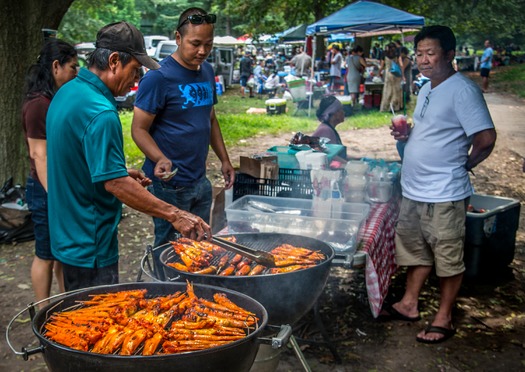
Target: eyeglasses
[
  {"x": 199, "y": 19},
  {"x": 425, "y": 105}
]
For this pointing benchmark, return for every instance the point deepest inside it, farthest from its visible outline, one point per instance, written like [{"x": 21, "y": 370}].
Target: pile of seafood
[
  {"x": 207, "y": 258},
  {"x": 129, "y": 323}
]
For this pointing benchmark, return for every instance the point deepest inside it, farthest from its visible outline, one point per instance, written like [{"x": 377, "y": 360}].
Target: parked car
[
  {"x": 222, "y": 58},
  {"x": 151, "y": 42},
  {"x": 126, "y": 102},
  {"x": 164, "y": 49},
  {"x": 83, "y": 49}
]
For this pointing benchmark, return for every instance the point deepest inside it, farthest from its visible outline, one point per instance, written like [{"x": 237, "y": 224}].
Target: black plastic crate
[{"x": 292, "y": 183}]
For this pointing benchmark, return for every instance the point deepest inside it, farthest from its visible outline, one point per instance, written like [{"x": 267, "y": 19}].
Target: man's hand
[
  {"x": 398, "y": 136},
  {"x": 163, "y": 169},
  {"x": 191, "y": 226},
  {"x": 139, "y": 177},
  {"x": 229, "y": 175}
]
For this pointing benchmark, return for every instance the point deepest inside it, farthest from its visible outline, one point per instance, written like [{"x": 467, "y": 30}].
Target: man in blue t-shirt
[
  {"x": 486, "y": 65},
  {"x": 174, "y": 123},
  {"x": 87, "y": 176}
]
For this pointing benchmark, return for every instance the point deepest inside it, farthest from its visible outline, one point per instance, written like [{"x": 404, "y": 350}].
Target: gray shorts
[{"x": 432, "y": 233}]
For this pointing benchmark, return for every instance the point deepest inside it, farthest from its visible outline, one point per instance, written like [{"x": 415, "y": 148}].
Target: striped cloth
[{"x": 377, "y": 242}]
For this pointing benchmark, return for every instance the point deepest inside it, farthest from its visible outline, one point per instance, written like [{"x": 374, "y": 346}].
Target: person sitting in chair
[
  {"x": 273, "y": 85},
  {"x": 330, "y": 113}
]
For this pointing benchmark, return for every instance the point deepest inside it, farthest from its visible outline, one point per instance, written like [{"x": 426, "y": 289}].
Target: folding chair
[{"x": 300, "y": 96}]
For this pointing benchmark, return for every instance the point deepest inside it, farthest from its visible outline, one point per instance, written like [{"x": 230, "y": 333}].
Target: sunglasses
[
  {"x": 199, "y": 19},
  {"x": 425, "y": 105}
]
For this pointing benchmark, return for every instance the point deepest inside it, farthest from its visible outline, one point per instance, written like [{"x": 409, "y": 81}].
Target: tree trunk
[{"x": 20, "y": 42}]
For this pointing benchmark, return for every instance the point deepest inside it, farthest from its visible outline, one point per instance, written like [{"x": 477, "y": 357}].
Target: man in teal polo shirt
[{"x": 87, "y": 176}]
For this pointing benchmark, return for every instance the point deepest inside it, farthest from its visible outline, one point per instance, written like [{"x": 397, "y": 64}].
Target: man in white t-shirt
[{"x": 453, "y": 132}]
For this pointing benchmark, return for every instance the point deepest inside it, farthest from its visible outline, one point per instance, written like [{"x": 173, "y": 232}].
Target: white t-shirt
[{"x": 445, "y": 118}]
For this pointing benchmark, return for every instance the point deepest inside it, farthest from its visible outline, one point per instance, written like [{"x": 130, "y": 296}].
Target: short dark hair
[
  {"x": 181, "y": 26},
  {"x": 443, "y": 34},
  {"x": 99, "y": 58},
  {"x": 358, "y": 49}
]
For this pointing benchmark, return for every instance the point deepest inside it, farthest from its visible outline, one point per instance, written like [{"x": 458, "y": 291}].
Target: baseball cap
[{"x": 124, "y": 37}]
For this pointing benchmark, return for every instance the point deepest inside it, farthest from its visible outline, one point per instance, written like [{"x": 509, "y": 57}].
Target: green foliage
[{"x": 85, "y": 17}]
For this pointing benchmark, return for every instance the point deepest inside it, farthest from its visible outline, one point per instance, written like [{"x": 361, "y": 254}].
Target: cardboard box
[
  {"x": 217, "y": 213},
  {"x": 260, "y": 167}
]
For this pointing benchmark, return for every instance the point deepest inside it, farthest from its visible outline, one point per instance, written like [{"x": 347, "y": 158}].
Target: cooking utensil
[
  {"x": 261, "y": 257},
  {"x": 236, "y": 356},
  {"x": 265, "y": 207},
  {"x": 286, "y": 296}
]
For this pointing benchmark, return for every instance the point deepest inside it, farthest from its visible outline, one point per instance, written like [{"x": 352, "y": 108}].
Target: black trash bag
[{"x": 15, "y": 219}]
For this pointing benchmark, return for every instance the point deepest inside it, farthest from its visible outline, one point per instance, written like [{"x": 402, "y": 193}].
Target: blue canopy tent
[{"x": 364, "y": 17}]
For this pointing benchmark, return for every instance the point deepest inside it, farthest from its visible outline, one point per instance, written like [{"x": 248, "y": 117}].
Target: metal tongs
[{"x": 261, "y": 257}]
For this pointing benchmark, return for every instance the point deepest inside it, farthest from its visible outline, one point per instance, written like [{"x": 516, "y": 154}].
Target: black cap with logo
[{"x": 124, "y": 37}]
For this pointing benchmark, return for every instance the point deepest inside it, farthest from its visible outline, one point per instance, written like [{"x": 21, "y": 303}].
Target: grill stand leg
[
  {"x": 324, "y": 333},
  {"x": 326, "y": 338},
  {"x": 299, "y": 354}
]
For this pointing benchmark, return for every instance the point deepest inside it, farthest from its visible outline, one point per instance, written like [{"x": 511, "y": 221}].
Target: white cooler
[{"x": 275, "y": 106}]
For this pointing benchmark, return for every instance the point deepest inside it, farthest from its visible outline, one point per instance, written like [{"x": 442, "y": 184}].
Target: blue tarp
[{"x": 365, "y": 16}]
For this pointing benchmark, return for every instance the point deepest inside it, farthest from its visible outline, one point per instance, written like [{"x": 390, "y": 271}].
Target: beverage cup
[{"x": 399, "y": 122}]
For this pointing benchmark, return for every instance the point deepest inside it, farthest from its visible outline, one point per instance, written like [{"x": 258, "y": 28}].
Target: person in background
[
  {"x": 355, "y": 66},
  {"x": 377, "y": 52},
  {"x": 246, "y": 71},
  {"x": 302, "y": 63},
  {"x": 87, "y": 175},
  {"x": 392, "y": 92},
  {"x": 174, "y": 123},
  {"x": 453, "y": 132},
  {"x": 486, "y": 66},
  {"x": 336, "y": 62},
  {"x": 57, "y": 64},
  {"x": 406, "y": 70},
  {"x": 330, "y": 114},
  {"x": 273, "y": 85},
  {"x": 259, "y": 76}
]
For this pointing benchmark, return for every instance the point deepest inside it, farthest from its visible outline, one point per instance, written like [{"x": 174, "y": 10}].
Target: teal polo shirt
[{"x": 84, "y": 149}]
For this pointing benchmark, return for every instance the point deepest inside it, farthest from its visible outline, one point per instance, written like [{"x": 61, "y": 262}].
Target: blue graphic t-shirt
[{"x": 182, "y": 101}]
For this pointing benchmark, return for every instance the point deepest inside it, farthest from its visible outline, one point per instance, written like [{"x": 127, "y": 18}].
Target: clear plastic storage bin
[{"x": 295, "y": 216}]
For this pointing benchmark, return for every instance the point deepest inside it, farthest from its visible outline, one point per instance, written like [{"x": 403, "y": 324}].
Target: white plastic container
[
  {"x": 380, "y": 191},
  {"x": 356, "y": 167}
]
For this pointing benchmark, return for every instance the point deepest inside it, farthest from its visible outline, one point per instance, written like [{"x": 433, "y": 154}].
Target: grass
[
  {"x": 509, "y": 79},
  {"x": 237, "y": 126}
]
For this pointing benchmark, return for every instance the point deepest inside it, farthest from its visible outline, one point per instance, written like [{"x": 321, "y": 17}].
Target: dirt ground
[{"x": 490, "y": 315}]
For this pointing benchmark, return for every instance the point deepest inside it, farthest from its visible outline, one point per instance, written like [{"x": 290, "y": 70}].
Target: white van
[
  {"x": 164, "y": 49},
  {"x": 222, "y": 59},
  {"x": 151, "y": 42}
]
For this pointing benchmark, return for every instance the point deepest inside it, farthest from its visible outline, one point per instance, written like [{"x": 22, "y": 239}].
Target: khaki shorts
[{"x": 432, "y": 233}]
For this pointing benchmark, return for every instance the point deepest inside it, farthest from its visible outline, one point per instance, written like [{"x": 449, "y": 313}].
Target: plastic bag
[
  {"x": 251, "y": 82},
  {"x": 15, "y": 218},
  {"x": 395, "y": 69}
]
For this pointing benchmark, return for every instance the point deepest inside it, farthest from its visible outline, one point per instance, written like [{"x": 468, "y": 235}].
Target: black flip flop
[
  {"x": 446, "y": 332},
  {"x": 393, "y": 314}
]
